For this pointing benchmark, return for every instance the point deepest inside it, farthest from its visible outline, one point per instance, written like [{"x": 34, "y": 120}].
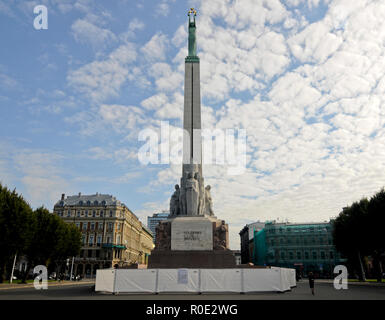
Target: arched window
[
  {"x": 103, "y": 203},
  {"x": 88, "y": 203}
]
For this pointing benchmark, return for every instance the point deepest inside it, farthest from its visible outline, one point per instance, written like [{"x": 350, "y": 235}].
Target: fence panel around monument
[
  {"x": 178, "y": 280},
  {"x": 262, "y": 280},
  {"x": 136, "y": 280},
  {"x": 105, "y": 280},
  {"x": 194, "y": 280},
  {"x": 221, "y": 280}
]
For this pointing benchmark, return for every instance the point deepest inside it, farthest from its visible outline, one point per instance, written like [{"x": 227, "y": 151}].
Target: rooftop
[{"x": 90, "y": 200}]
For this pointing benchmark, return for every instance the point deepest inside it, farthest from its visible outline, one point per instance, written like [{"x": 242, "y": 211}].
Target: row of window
[
  {"x": 87, "y": 213},
  {"x": 304, "y": 241},
  {"x": 87, "y": 203},
  {"x": 314, "y": 255},
  {"x": 97, "y": 225},
  {"x": 92, "y": 238},
  {"x": 296, "y": 230}
]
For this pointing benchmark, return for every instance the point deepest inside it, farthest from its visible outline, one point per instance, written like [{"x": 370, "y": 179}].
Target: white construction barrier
[
  {"x": 105, "y": 280},
  {"x": 262, "y": 280},
  {"x": 221, "y": 280},
  {"x": 178, "y": 280},
  {"x": 242, "y": 280},
  {"x": 135, "y": 280}
]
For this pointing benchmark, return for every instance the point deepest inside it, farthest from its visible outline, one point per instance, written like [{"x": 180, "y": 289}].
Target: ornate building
[{"x": 112, "y": 235}]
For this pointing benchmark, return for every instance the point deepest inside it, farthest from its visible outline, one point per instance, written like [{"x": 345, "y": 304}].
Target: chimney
[
  {"x": 62, "y": 196},
  {"x": 80, "y": 194}
]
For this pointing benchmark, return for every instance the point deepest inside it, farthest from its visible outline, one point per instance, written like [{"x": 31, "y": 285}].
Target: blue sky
[{"x": 305, "y": 78}]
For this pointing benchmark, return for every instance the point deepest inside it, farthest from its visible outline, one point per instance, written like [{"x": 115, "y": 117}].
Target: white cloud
[
  {"x": 88, "y": 33},
  {"x": 102, "y": 79},
  {"x": 155, "y": 48}
]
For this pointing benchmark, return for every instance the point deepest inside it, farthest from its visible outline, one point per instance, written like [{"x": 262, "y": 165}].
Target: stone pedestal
[
  {"x": 192, "y": 242},
  {"x": 191, "y": 259}
]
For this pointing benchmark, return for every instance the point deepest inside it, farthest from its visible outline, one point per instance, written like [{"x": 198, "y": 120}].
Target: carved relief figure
[
  {"x": 220, "y": 236},
  {"x": 174, "y": 202},
  {"x": 182, "y": 197},
  {"x": 201, "y": 201},
  {"x": 208, "y": 202},
  {"x": 192, "y": 193}
]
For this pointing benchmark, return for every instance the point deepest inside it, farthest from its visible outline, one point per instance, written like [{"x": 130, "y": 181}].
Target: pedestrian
[{"x": 311, "y": 282}]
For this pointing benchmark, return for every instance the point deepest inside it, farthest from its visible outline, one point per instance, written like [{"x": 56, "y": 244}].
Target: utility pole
[
  {"x": 72, "y": 267},
  {"x": 13, "y": 268}
]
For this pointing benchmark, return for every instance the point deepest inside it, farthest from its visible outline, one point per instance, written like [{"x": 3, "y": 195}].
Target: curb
[{"x": 50, "y": 284}]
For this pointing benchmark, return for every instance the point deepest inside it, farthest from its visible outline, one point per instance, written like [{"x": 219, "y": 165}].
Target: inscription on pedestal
[{"x": 191, "y": 234}]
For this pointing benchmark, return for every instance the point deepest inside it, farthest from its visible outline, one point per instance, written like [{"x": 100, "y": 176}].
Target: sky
[{"x": 304, "y": 78}]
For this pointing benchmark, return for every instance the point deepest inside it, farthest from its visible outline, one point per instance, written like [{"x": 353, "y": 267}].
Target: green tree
[
  {"x": 16, "y": 228},
  {"x": 349, "y": 234},
  {"x": 376, "y": 216},
  {"x": 53, "y": 240}
]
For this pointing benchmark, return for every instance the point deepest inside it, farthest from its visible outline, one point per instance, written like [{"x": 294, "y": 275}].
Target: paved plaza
[{"x": 84, "y": 291}]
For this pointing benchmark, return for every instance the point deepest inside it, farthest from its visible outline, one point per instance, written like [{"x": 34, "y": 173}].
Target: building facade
[
  {"x": 247, "y": 242},
  {"x": 153, "y": 221},
  {"x": 303, "y": 246},
  {"x": 112, "y": 235}
]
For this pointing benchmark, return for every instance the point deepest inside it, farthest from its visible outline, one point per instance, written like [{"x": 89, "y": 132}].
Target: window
[
  {"x": 306, "y": 255},
  {"x": 322, "y": 255},
  {"x": 92, "y": 226},
  {"x": 88, "y": 203},
  {"x": 80, "y": 203},
  {"x": 110, "y": 226},
  {"x": 91, "y": 241},
  {"x": 84, "y": 226},
  {"x": 110, "y": 213},
  {"x": 99, "y": 240},
  {"x": 118, "y": 226},
  {"x": 100, "y": 226},
  {"x": 86, "y": 212},
  {"x": 78, "y": 213},
  {"x": 291, "y": 255},
  {"x": 282, "y": 255},
  {"x": 331, "y": 255},
  {"x": 101, "y": 213},
  {"x": 299, "y": 256},
  {"x": 94, "y": 213},
  {"x": 78, "y": 225},
  {"x": 83, "y": 240},
  {"x": 69, "y": 213},
  {"x": 314, "y": 255},
  {"x": 108, "y": 240},
  {"x": 118, "y": 239},
  {"x": 96, "y": 202},
  {"x": 103, "y": 203}
]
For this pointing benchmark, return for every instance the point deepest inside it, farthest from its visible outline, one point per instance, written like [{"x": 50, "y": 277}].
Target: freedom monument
[
  {"x": 192, "y": 246},
  {"x": 192, "y": 236}
]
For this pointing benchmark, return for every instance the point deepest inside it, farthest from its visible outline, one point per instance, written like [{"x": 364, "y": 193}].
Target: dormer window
[
  {"x": 96, "y": 202},
  {"x": 103, "y": 203},
  {"x": 88, "y": 203},
  {"x": 80, "y": 203}
]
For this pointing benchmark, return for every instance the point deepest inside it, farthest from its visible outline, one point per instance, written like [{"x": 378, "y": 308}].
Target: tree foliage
[
  {"x": 357, "y": 231},
  {"x": 36, "y": 234}
]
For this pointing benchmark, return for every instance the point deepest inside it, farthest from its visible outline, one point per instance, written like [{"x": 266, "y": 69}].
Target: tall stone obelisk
[
  {"x": 192, "y": 202},
  {"x": 192, "y": 236}
]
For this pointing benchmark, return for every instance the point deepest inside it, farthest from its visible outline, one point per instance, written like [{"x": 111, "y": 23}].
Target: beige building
[{"x": 112, "y": 235}]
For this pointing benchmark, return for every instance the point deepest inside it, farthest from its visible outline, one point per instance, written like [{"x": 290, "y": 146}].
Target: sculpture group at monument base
[
  {"x": 234, "y": 280},
  {"x": 191, "y": 259}
]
